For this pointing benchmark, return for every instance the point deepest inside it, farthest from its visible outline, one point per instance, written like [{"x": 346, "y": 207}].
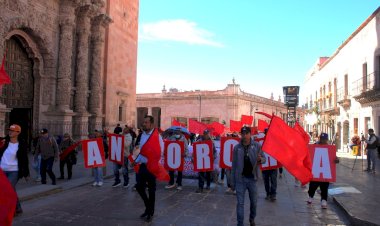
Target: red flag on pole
[
  {"x": 247, "y": 119},
  {"x": 262, "y": 125},
  {"x": 303, "y": 133},
  {"x": 152, "y": 151},
  {"x": 289, "y": 148},
  {"x": 8, "y": 200},
  {"x": 196, "y": 127},
  {"x": 4, "y": 77},
  {"x": 235, "y": 126},
  {"x": 263, "y": 113},
  {"x": 217, "y": 128}
]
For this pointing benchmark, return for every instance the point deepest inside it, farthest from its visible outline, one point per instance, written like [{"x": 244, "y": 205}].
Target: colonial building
[
  {"x": 206, "y": 106},
  {"x": 342, "y": 92},
  {"x": 72, "y": 64}
]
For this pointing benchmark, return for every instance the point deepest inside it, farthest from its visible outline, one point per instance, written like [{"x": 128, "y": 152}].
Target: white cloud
[{"x": 177, "y": 30}]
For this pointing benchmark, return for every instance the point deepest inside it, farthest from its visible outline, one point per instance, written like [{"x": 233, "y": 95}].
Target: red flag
[
  {"x": 196, "y": 127},
  {"x": 68, "y": 150},
  {"x": 217, "y": 128},
  {"x": 176, "y": 123},
  {"x": 262, "y": 125},
  {"x": 289, "y": 148},
  {"x": 4, "y": 77},
  {"x": 303, "y": 133},
  {"x": 8, "y": 200},
  {"x": 152, "y": 151},
  {"x": 247, "y": 119},
  {"x": 235, "y": 126},
  {"x": 263, "y": 113}
]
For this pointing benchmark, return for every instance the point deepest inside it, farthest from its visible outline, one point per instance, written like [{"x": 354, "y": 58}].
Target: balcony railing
[
  {"x": 366, "y": 83},
  {"x": 341, "y": 95}
]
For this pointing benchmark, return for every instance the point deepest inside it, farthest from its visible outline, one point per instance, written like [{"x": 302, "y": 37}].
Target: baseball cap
[
  {"x": 245, "y": 129},
  {"x": 324, "y": 136},
  {"x": 44, "y": 130},
  {"x": 206, "y": 131},
  {"x": 15, "y": 127}
]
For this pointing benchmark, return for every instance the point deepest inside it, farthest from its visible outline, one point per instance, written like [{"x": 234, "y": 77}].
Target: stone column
[
  {"x": 149, "y": 110},
  {"x": 82, "y": 73},
  {"x": 99, "y": 24}
]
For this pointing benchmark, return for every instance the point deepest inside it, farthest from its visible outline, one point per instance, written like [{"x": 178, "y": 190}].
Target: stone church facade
[{"x": 72, "y": 64}]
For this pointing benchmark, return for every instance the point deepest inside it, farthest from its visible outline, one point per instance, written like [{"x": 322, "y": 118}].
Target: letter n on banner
[
  {"x": 116, "y": 147},
  {"x": 93, "y": 152},
  {"x": 227, "y": 145},
  {"x": 203, "y": 156},
  {"x": 174, "y": 150},
  {"x": 323, "y": 159}
]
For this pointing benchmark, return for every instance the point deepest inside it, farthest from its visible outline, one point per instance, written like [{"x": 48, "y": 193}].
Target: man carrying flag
[{"x": 148, "y": 154}]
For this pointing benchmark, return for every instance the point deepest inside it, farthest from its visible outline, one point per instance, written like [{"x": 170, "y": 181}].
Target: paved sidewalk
[{"x": 361, "y": 199}]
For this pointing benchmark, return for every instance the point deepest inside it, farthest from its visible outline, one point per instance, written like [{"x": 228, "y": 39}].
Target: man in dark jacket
[
  {"x": 48, "y": 148},
  {"x": 14, "y": 159}
]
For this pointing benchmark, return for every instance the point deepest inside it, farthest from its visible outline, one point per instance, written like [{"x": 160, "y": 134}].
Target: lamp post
[{"x": 200, "y": 108}]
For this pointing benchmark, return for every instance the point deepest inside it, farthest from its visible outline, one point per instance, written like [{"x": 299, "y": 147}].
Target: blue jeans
[
  {"x": 37, "y": 165},
  {"x": 250, "y": 185},
  {"x": 98, "y": 174},
  {"x": 116, "y": 168},
  {"x": 13, "y": 179},
  {"x": 371, "y": 158}
]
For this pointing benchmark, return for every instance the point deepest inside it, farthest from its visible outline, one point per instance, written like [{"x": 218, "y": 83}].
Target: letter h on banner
[{"x": 203, "y": 156}]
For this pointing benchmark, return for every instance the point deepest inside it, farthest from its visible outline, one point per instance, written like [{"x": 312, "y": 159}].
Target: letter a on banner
[
  {"x": 93, "y": 152},
  {"x": 323, "y": 157},
  {"x": 116, "y": 144},
  {"x": 174, "y": 151},
  {"x": 227, "y": 145},
  {"x": 203, "y": 156}
]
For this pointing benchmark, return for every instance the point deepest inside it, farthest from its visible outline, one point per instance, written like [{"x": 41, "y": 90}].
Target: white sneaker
[
  {"x": 324, "y": 204},
  {"x": 100, "y": 184},
  {"x": 179, "y": 188},
  {"x": 95, "y": 184},
  {"x": 169, "y": 186},
  {"x": 309, "y": 200}
]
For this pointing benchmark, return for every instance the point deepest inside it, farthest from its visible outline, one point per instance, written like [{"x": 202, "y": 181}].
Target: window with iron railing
[{"x": 366, "y": 83}]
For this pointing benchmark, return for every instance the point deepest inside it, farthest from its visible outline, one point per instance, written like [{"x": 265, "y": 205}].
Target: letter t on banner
[
  {"x": 93, "y": 152},
  {"x": 116, "y": 144},
  {"x": 203, "y": 156}
]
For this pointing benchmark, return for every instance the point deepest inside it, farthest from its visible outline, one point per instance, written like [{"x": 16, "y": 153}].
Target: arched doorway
[{"x": 18, "y": 96}]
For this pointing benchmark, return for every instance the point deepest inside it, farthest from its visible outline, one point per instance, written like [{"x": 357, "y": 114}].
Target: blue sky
[{"x": 264, "y": 45}]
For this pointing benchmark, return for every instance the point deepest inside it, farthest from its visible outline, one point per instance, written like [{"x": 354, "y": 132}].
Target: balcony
[
  {"x": 343, "y": 98},
  {"x": 331, "y": 110},
  {"x": 367, "y": 89}
]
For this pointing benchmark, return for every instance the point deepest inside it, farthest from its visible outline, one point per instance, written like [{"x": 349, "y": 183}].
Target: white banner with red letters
[
  {"x": 116, "y": 148},
  {"x": 227, "y": 145},
  {"x": 93, "y": 152},
  {"x": 323, "y": 160},
  {"x": 174, "y": 155},
  {"x": 203, "y": 156}
]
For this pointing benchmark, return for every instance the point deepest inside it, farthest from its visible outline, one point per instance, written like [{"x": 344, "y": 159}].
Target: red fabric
[
  {"x": 247, "y": 119},
  {"x": 289, "y": 148},
  {"x": 4, "y": 77},
  {"x": 176, "y": 123},
  {"x": 263, "y": 113},
  {"x": 196, "y": 127},
  {"x": 235, "y": 126},
  {"x": 8, "y": 200},
  {"x": 136, "y": 167},
  {"x": 262, "y": 125},
  {"x": 85, "y": 147},
  {"x": 325, "y": 151},
  {"x": 254, "y": 130},
  {"x": 216, "y": 128},
  {"x": 152, "y": 151},
  {"x": 68, "y": 150},
  {"x": 297, "y": 127}
]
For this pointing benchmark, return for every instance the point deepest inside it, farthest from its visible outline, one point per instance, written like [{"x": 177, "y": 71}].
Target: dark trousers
[
  {"x": 222, "y": 174},
  {"x": 146, "y": 179},
  {"x": 324, "y": 186},
  {"x": 47, "y": 166},
  {"x": 270, "y": 181},
  {"x": 69, "y": 168},
  {"x": 281, "y": 170},
  {"x": 179, "y": 178},
  {"x": 202, "y": 176}
]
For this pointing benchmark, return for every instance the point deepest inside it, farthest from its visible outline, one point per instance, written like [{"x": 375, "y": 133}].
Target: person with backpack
[
  {"x": 48, "y": 148},
  {"x": 372, "y": 144}
]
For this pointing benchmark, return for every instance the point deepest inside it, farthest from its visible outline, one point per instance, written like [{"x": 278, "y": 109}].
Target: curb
[{"x": 353, "y": 219}]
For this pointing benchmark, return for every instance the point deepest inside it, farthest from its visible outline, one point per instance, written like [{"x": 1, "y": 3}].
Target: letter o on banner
[{"x": 173, "y": 153}]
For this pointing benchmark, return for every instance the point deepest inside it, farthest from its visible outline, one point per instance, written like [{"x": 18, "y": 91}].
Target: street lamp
[{"x": 200, "y": 107}]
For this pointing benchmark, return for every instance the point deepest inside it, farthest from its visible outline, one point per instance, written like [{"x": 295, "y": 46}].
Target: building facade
[
  {"x": 206, "y": 106},
  {"x": 342, "y": 93},
  {"x": 72, "y": 64}
]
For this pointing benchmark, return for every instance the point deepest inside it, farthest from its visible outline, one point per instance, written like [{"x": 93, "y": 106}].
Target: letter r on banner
[
  {"x": 203, "y": 156},
  {"x": 116, "y": 144},
  {"x": 174, "y": 151},
  {"x": 93, "y": 152}
]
